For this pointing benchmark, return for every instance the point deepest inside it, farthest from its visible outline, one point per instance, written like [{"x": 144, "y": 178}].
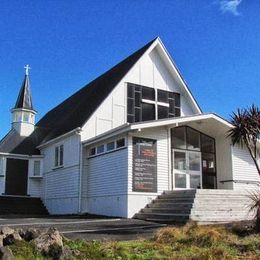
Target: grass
[{"x": 187, "y": 242}]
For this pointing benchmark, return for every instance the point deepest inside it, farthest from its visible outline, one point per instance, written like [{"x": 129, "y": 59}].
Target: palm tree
[{"x": 246, "y": 131}]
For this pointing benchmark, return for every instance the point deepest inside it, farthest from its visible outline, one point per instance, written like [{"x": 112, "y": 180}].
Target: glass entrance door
[{"x": 186, "y": 169}]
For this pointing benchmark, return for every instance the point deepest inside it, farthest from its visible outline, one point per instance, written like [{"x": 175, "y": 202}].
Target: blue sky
[{"x": 215, "y": 44}]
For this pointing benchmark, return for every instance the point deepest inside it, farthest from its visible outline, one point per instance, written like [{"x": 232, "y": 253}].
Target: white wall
[
  {"x": 224, "y": 163},
  {"x": 61, "y": 185},
  {"x": 244, "y": 170},
  {"x": 149, "y": 71},
  {"x": 2, "y": 174},
  {"x": 104, "y": 184},
  {"x": 138, "y": 200},
  {"x": 35, "y": 184},
  {"x": 107, "y": 179}
]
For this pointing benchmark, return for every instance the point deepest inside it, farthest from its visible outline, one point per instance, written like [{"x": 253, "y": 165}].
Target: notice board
[{"x": 144, "y": 165}]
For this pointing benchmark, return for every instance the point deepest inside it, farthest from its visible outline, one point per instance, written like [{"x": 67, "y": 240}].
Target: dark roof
[
  {"x": 24, "y": 99},
  {"x": 77, "y": 109},
  {"x": 10, "y": 141}
]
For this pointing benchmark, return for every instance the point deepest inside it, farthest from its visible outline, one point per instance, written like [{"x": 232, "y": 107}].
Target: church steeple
[
  {"x": 24, "y": 99},
  {"x": 23, "y": 113}
]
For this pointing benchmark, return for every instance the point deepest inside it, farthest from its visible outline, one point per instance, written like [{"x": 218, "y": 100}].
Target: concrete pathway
[{"x": 87, "y": 228}]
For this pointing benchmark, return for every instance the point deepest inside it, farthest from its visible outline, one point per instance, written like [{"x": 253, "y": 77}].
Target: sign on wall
[{"x": 144, "y": 165}]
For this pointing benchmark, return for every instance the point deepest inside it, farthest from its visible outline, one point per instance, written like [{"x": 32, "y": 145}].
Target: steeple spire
[
  {"x": 24, "y": 99},
  {"x": 23, "y": 114}
]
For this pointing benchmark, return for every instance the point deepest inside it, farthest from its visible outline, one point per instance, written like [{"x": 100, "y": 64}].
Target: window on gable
[
  {"x": 59, "y": 154},
  {"x": 148, "y": 93},
  {"x": 163, "y": 96},
  {"x": 143, "y": 104},
  {"x": 148, "y": 112}
]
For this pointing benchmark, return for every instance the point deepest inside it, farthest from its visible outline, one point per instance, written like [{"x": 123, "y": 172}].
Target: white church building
[{"x": 120, "y": 141}]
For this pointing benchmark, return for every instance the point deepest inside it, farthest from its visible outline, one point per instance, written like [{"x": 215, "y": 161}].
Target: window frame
[
  {"x": 39, "y": 169},
  {"x": 134, "y": 104},
  {"x": 105, "y": 145},
  {"x": 59, "y": 156}
]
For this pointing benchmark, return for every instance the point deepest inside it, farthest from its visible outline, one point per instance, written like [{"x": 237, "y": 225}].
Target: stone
[
  {"x": 6, "y": 253},
  {"x": 1, "y": 240},
  {"x": 50, "y": 243},
  {"x": 6, "y": 231},
  {"x": 31, "y": 234},
  {"x": 17, "y": 236},
  {"x": 21, "y": 232},
  {"x": 66, "y": 254},
  {"x": 8, "y": 240}
]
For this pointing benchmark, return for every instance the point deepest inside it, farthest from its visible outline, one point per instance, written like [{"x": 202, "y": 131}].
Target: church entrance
[
  {"x": 16, "y": 177},
  {"x": 193, "y": 159}
]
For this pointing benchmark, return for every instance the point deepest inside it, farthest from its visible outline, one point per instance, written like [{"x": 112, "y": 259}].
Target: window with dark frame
[{"x": 143, "y": 104}]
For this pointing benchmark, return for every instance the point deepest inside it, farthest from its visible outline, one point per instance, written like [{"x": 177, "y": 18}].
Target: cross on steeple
[{"x": 27, "y": 68}]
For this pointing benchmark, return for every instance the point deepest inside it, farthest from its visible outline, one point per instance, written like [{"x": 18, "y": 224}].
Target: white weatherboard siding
[
  {"x": 104, "y": 182},
  {"x": 2, "y": 174},
  {"x": 224, "y": 163},
  {"x": 138, "y": 200},
  {"x": 35, "y": 187},
  {"x": 35, "y": 184},
  {"x": 149, "y": 71},
  {"x": 61, "y": 190},
  {"x": 244, "y": 170},
  {"x": 61, "y": 185}
]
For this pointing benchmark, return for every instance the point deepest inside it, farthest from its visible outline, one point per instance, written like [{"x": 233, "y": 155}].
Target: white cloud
[{"x": 230, "y": 6}]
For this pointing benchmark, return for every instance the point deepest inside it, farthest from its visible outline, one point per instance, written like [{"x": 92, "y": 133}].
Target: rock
[
  {"x": 1, "y": 240},
  {"x": 8, "y": 236},
  {"x": 21, "y": 232},
  {"x": 67, "y": 254},
  {"x": 6, "y": 253},
  {"x": 8, "y": 240},
  {"x": 17, "y": 235},
  {"x": 6, "y": 231},
  {"x": 50, "y": 243},
  {"x": 31, "y": 234}
]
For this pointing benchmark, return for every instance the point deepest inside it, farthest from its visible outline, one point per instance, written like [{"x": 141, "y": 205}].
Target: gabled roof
[
  {"x": 24, "y": 99},
  {"x": 10, "y": 141},
  {"x": 77, "y": 109}
]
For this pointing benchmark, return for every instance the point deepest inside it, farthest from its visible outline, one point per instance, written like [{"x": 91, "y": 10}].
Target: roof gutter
[
  {"x": 15, "y": 155},
  {"x": 54, "y": 140},
  {"x": 185, "y": 119}
]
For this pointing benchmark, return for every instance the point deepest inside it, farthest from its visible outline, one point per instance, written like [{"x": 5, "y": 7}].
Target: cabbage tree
[{"x": 246, "y": 131}]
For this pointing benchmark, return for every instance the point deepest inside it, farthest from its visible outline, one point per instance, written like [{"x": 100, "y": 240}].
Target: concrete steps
[
  {"x": 15, "y": 205},
  {"x": 201, "y": 206}
]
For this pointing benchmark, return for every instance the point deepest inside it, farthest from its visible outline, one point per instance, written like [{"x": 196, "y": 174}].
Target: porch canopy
[{"x": 209, "y": 124}]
